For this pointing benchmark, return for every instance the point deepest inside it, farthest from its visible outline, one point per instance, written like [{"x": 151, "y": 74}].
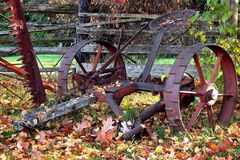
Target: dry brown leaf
[
  {"x": 65, "y": 120},
  {"x": 105, "y": 138},
  {"x": 67, "y": 129},
  {"x": 23, "y": 145},
  {"x": 108, "y": 124},
  {"x": 41, "y": 136},
  {"x": 198, "y": 157},
  {"x": 225, "y": 144},
  {"x": 81, "y": 126},
  {"x": 153, "y": 135}
]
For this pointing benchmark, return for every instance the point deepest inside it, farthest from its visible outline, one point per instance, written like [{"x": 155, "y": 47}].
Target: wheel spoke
[
  {"x": 191, "y": 93},
  {"x": 210, "y": 115},
  {"x": 199, "y": 70},
  {"x": 80, "y": 64},
  {"x": 195, "y": 115},
  {"x": 216, "y": 67},
  {"x": 226, "y": 95},
  {"x": 79, "y": 78},
  {"x": 96, "y": 60}
]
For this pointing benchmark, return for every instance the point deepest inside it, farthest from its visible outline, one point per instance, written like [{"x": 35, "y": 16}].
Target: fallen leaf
[
  {"x": 41, "y": 136},
  {"x": 213, "y": 146},
  {"x": 225, "y": 145},
  {"x": 121, "y": 148},
  {"x": 120, "y": 1},
  {"x": 108, "y": 154},
  {"x": 65, "y": 120},
  {"x": 67, "y": 129},
  {"x": 180, "y": 155},
  {"x": 108, "y": 124},
  {"x": 105, "y": 138},
  {"x": 153, "y": 135},
  {"x": 3, "y": 157},
  {"x": 159, "y": 149},
  {"x": 81, "y": 126},
  {"x": 23, "y": 145},
  {"x": 198, "y": 157}
]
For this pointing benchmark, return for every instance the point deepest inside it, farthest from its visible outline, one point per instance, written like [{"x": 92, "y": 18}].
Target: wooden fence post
[{"x": 83, "y": 7}]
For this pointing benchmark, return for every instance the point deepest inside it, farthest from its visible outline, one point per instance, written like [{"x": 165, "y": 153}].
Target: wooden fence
[{"x": 101, "y": 25}]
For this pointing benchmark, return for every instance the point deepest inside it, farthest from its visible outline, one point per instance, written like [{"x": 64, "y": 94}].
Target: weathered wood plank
[
  {"x": 39, "y": 50},
  {"x": 42, "y": 116},
  {"x": 51, "y": 8},
  {"x": 110, "y": 15},
  {"x": 106, "y": 31},
  {"x": 138, "y": 49},
  {"x": 32, "y": 24},
  {"x": 71, "y": 26},
  {"x": 92, "y": 24},
  {"x": 44, "y": 29},
  {"x": 42, "y": 40}
]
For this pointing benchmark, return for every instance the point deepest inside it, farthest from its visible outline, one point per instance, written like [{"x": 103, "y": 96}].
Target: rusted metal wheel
[
  {"x": 215, "y": 93},
  {"x": 77, "y": 74}
]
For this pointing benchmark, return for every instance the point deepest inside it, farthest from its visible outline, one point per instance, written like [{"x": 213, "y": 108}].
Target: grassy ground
[
  {"x": 94, "y": 134},
  {"x": 48, "y": 60}
]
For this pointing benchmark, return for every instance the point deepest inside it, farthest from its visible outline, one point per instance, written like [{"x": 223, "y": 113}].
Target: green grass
[
  {"x": 48, "y": 60},
  {"x": 158, "y": 60}
]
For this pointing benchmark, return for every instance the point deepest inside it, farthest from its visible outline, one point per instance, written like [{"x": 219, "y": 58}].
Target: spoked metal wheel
[
  {"x": 87, "y": 64},
  {"x": 215, "y": 89}
]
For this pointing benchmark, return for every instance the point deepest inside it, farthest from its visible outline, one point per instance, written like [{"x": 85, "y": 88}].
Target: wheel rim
[
  {"x": 88, "y": 74},
  {"x": 207, "y": 94}
]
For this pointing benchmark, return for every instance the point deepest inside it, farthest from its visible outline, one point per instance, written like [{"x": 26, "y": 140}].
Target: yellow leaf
[
  {"x": 197, "y": 149},
  {"x": 159, "y": 149},
  {"x": 121, "y": 148},
  {"x": 3, "y": 157}
]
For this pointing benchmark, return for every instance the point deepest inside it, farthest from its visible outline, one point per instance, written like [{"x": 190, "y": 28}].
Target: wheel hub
[{"x": 211, "y": 94}]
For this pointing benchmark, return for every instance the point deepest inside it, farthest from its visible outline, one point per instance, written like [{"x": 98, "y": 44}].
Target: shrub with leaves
[{"x": 217, "y": 17}]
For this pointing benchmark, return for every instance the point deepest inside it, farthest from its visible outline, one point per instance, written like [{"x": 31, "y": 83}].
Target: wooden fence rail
[
  {"x": 51, "y": 8},
  {"x": 138, "y": 49}
]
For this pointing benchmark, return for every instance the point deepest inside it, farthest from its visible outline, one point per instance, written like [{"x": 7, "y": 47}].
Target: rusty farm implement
[{"x": 98, "y": 63}]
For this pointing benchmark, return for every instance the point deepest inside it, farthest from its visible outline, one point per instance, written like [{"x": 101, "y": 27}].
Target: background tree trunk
[{"x": 233, "y": 5}]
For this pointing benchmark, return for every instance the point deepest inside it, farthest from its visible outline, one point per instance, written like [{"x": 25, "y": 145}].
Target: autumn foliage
[{"x": 95, "y": 134}]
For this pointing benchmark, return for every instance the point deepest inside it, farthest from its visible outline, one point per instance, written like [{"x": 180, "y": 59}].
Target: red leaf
[
  {"x": 120, "y": 1},
  {"x": 67, "y": 129}
]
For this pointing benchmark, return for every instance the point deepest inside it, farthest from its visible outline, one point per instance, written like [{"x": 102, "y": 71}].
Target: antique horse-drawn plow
[{"x": 178, "y": 92}]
